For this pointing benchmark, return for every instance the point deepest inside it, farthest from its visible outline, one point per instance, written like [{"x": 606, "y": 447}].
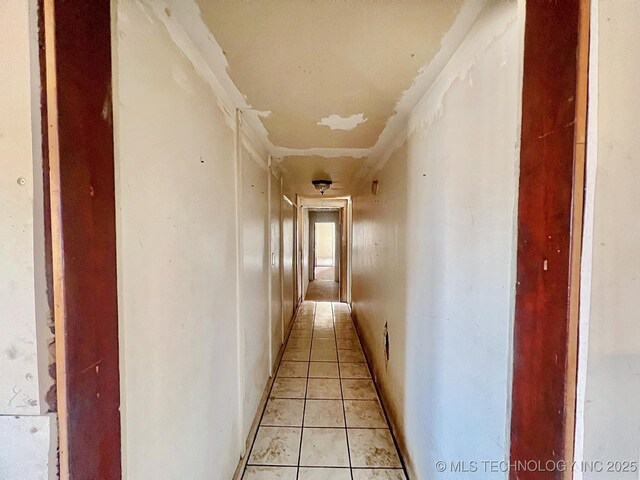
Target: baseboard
[
  {"x": 396, "y": 431},
  {"x": 242, "y": 462}
]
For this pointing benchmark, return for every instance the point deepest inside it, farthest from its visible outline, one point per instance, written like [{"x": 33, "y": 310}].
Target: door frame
[
  {"x": 78, "y": 76},
  {"x": 550, "y": 226},
  {"x": 343, "y": 205},
  {"x": 289, "y": 204},
  {"x": 80, "y": 183}
]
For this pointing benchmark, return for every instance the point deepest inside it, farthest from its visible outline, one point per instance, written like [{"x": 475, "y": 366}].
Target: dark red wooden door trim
[
  {"x": 86, "y": 233},
  {"x": 542, "y": 374}
]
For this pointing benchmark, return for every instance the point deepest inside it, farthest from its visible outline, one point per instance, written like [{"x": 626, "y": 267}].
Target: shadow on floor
[{"x": 323, "y": 291}]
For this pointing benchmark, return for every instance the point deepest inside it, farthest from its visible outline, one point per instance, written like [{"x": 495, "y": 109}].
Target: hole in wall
[{"x": 386, "y": 345}]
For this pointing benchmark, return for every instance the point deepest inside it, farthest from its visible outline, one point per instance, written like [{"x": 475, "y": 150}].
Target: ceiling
[
  {"x": 326, "y": 75},
  {"x": 301, "y": 170}
]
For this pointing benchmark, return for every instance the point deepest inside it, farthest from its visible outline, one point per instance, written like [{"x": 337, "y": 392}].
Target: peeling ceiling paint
[
  {"x": 288, "y": 63},
  {"x": 336, "y": 122},
  {"x": 309, "y": 60}
]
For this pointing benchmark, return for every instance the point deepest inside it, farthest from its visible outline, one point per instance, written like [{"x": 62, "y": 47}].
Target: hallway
[
  {"x": 255, "y": 179},
  {"x": 323, "y": 419}
]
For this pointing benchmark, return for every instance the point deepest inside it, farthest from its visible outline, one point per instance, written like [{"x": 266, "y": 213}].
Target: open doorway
[{"x": 324, "y": 253}]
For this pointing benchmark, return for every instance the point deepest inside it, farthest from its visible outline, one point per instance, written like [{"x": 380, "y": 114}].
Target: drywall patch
[{"x": 336, "y": 122}]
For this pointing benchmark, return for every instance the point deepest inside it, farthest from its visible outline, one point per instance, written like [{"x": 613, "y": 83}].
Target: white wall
[
  {"x": 611, "y": 407},
  {"x": 177, "y": 254},
  {"x": 289, "y": 213},
  {"x": 277, "y": 330},
  {"x": 255, "y": 282},
  {"x": 325, "y": 239},
  {"x": 27, "y": 433},
  {"x": 193, "y": 282},
  {"x": 433, "y": 256},
  {"x": 305, "y": 240}
]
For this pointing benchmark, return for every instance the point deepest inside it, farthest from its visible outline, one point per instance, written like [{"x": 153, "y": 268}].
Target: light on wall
[{"x": 322, "y": 185}]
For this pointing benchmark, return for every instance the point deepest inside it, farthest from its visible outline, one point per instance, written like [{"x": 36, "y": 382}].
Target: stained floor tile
[
  {"x": 283, "y": 413},
  {"x": 324, "y": 413},
  {"x": 296, "y": 354},
  {"x": 372, "y": 448},
  {"x": 348, "y": 344},
  {"x": 323, "y": 370},
  {"x": 323, "y": 419},
  {"x": 293, "y": 369},
  {"x": 324, "y": 355},
  {"x": 351, "y": 356},
  {"x": 270, "y": 473},
  {"x": 310, "y": 473},
  {"x": 358, "y": 389},
  {"x": 378, "y": 474},
  {"x": 284, "y": 387},
  {"x": 299, "y": 342},
  {"x": 324, "y": 447},
  {"x": 276, "y": 446},
  {"x": 324, "y": 343},
  {"x": 354, "y": 370},
  {"x": 324, "y": 388},
  {"x": 364, "y": 414}
]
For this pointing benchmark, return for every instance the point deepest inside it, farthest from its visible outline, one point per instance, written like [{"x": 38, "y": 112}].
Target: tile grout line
[
  {"x": 340, "y": 379},
  {"x": 403, "y": 467},
  {"x": 344, "y": 410},
  {"x": 253, "y": 442},
  {"x": 325, "y": 467},
  {"x": 276, "y": 374},
  {"x": 306, "y": 389},
  {"x": 320, "y": 428}
]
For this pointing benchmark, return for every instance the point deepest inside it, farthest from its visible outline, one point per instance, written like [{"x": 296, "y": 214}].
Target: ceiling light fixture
[{"x": 322, "y": 185}]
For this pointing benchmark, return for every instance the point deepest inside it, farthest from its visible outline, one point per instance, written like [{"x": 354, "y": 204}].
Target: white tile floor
[{"x": 323, "y": 419}]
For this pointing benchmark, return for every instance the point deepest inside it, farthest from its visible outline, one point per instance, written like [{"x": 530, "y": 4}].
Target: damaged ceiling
[{"x": 326, "y": 76}]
